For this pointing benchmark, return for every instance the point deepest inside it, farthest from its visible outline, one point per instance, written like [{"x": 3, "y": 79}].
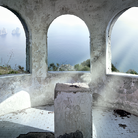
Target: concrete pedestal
[{"x": 73, "y": 109}]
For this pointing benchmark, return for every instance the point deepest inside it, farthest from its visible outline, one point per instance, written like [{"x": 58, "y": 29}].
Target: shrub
[
  {"x": 113, "y": 68},
  {"x": 13, "y": 72},
  {"x": 131, "y": 71}
]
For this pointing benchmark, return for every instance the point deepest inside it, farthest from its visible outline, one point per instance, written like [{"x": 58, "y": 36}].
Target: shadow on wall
[{"x": 18, "y": 101}]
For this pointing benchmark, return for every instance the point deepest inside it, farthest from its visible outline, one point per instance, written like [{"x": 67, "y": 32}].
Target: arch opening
[
  {"x": 68, "y": 44},
  {"x": 14, "y": 43},
  {"x": 122, "y": 43}
]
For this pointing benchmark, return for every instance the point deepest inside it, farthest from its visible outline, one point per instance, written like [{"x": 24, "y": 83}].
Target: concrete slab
[
  {"x": 107, "y": 125},
  {"x": 72, "y": 111}
]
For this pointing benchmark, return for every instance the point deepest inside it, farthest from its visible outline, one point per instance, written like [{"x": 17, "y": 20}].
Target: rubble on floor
[
  {"x": 121, "y": 113},
  {"x": 37, "y": 135},
  {"x": 76, "y": 134}
]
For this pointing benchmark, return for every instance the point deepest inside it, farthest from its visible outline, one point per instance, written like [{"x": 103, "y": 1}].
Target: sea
[{"x": 12, "y": 47}]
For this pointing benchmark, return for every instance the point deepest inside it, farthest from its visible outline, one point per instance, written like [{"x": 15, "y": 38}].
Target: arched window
[
  {"x": 124, "y": 43},
  {"x": 68, "y": 44},
  {"x": 12, "y": 43}
]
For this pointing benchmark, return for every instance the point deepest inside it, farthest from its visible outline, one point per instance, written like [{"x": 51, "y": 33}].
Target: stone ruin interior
[{"x": 36, "y": 88}]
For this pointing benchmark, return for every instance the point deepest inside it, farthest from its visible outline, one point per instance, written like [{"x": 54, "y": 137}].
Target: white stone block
[{"x": 73, "y": 109}]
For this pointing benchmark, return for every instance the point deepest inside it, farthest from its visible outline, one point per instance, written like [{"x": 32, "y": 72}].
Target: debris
[
  {"x": 74, "y": 86},
  {"x": 122, "y": 125},
  {"x": 41, "y": 113},
  {"x": 131, "y": 131},
  {"x": 121, "y": 113},
  {"x": 76, "y": 134},
  {"x": 50, "y": 112},
  {"x": 37, "y": 135}
]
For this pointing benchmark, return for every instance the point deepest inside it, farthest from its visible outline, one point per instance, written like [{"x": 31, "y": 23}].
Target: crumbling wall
[{"x": 117, "y": 91}]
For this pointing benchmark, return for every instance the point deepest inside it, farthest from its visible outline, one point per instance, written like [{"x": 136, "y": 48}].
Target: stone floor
[
  {"x": 108, "y": 125},
  {"x": 41, "y": 119}
]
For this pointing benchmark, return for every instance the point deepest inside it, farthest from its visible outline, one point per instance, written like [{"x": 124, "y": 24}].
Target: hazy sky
[
  {"x": 12, "y": 47},
  {"x": 124, "y": 41},
  {"x": 66, "y": 25},
  {"x": 68, "y": 40},
  {"x": 8, "y": 16},
  {"x": 130, "y": 17}
]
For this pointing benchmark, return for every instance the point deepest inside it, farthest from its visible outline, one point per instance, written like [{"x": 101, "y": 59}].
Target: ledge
[
  {"x": 122, "y": 75},
  {"x": 14, "y": 75},
  {"x": 69, "y": 72}
]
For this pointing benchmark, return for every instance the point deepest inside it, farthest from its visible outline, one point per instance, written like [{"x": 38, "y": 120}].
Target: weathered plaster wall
[{"x": 117, "y": 90}]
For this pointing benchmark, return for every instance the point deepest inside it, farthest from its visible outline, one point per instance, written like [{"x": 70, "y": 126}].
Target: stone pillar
[{"x": 73, "y": 109}]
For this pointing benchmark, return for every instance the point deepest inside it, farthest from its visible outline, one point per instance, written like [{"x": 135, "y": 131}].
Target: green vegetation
[
  {"x": 84, "y": 66},
  {"x": 8, "y": 70},
  {"x": 62, "y": 67},
  {"x": 86, "y": 63},
  {"x": 130, "y": 71},
  {"x": 13, "y": 72},
  {"x": 53, "y": 67},
  {"x": 114, "y": 69},
  {"x": 21, "y": 68}
]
